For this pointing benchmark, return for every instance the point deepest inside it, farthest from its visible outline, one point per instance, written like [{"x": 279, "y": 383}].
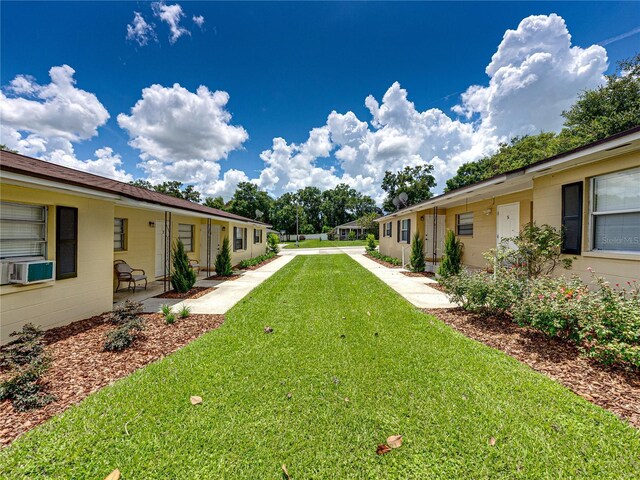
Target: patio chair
[
  {"x": 125, "y": 273},
  {"x": 195, "y": 265}
]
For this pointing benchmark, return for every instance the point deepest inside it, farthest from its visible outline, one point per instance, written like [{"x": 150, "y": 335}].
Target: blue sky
[{"x": 285, "y": 67}]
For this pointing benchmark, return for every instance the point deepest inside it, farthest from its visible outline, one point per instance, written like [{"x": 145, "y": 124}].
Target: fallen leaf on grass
[
  {"x": 289, "y": 395},
  {"x": 492, "y": 441},
  {"x": 346, "y": 399},
  {"x": 286, "y": 472},
  {"x": 268, "y": 329},
  {"x": 115, "y": 475},
  {"x": 394, "y": 441},
  {"x": 369, "y": 314},
  {"x": 195, "y": 400},
  {"x": 382, "y": 449}
]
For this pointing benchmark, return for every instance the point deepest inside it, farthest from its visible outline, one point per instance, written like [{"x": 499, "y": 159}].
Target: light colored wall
[
  {"x": 60, "y": 302},
  {"x": 485, "y": 226},
  {"x": 547, "y": 208},
  {"x": 253, "y": 249},
  {"x": 390, "y": 246}
]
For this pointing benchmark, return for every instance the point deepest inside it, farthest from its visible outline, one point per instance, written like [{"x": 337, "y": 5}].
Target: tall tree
[
  {"x": 283, "y": 214},
  {"x": 248, "y": 199},
  {"x": 215, "y": 202},
  {"x": 7, "y": 149},
  {"x": 416, "y": 182},
  {"x": 172, "y": 188},
  {"x": 310, "y": 199}
]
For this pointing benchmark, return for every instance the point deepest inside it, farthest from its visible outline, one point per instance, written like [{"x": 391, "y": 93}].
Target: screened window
[
  {"x": 572, "y": 218},
  {"x": 239, "y": 238},
  {"x": 257, "y": 235},
  {"x": 464, "y": 223},
  {"x": 66, "y": 242},
  {"x": 23, "y": 230},
  {"x": 615, "y": 211},
  {"x": 405, "y": 226},
  {"x": 387, "y": 229},
  {"x": 185, "y": 234},
  {"x": 119, "y": 234}
]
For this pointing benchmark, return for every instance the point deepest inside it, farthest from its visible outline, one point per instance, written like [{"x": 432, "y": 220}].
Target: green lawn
[
  {"x": 327, "y": 243},
  {"x": 402, "y": 371}
]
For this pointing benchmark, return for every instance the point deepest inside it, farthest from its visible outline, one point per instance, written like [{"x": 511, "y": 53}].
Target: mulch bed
[
  {"x": 616, "y": 389},
  {"x": 419, "y": 274},
  {"x": 80, "y": 367},
  {"x": 222, "y": 277},
  {"x": 382, "y": 262},
  {"x": 261, "y": 264},
  {"x": 195, "y": 292},
  {"x": 436, "y": 286}
]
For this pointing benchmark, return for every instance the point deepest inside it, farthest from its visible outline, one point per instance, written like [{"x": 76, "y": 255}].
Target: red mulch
[
  {"x": 195, "y": 292},
  {"x": 222, "y": 277},
  {"x": 80, "y": 367},
  {"x": 381, "y": 262},
  {"x": 436, "y": 286},
  {"x": 419, "y": 274},
  {"x": 613, "y": 388},
  {"x": 261, "y": 264}
]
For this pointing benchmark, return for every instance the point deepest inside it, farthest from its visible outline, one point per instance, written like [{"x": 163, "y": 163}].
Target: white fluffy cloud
[
  {"x": 171, "y": 15},
  {"x": 198, "y": 20},
  {"x": 43, "y": 121},
  {"x": 182, "y": 135},
  {"x": 140, "y": 31},
  {"x": 534, "y": 75}
]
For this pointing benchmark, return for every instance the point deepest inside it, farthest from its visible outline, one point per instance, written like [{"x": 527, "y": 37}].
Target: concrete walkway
[
  {"x": 415, "y": 289},
  {"x": 322, "y": 251},
  {"x": 226, "y": 294}
]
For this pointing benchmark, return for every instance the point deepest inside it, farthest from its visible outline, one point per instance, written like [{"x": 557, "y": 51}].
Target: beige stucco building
[
  {"x": 71, "y": 226},
  {"x": 592, "y": 193}
]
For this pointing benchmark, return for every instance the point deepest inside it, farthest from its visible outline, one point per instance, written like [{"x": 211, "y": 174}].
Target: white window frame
[
  {"x": 388, "y": 229},
  {"x": 257, "y": 239},
  {"x": 593, "y": 214},
  {"x": 467, "y": 219},
  {"x": 404, "y": 230},
  {"x": 239, "y": 237},
  {"x": 44, "y": 224},
  {"x": 122, "y": 234},
  {"x": 190, "y": 247}
]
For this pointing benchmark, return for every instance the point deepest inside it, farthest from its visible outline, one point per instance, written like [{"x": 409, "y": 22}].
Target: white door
[
  {"x": 430, "y": 233},
  {"x": 160, "y": 247},
  {"x": 508, "y": 222},
  {"x": 215, "y": 244}
]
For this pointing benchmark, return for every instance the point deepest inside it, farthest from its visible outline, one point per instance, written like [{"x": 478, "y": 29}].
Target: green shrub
[
  {"x": 183, "y": 277},
  {"x": 28, "y": 347},
  {"x": 122, "y": 314},
  {"x": 185, "y": 311},
  {"x": 272, "y": 243},
  {"x": 352, "y": 235},
  {"x": 123, "y": 336},
  {"x": 371, "y": 243},
  {"x": 24, "y": 390},
  {"x": 384, "y": 258},
  {"x": 223, "y": 260},
  {"x": 451, "y": 262},
  {"x": 165, "y": 309},
  {"x": 250, "y": 262},
  {"x": 170, "y": 319},
  {"x": 417, "y": 263}
]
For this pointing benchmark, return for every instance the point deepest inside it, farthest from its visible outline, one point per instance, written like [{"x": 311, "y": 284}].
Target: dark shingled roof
[{"x": 16, "y": 163}]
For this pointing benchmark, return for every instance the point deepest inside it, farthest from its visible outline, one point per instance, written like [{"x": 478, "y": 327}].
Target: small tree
[
  {"x": 352, "y": 235},
  {"x": 183, "y": 277},
  {"x": 223, "y": 260},
  {"x": 417, "y": 263},
  {"x": 272, "y": 243},
  {"x": 451, "y": 262},
  {"x": 371, "y": 243}
]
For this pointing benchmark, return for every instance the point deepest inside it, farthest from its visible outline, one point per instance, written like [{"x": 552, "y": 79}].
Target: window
[
  {"x": 66, "y": 242},
  {"x": 23, "y": 230},
  {"x": 464, "y": 223},
  {"x": 572, "y": 218},
  {"x": 239, "y": 238},
  {"x": 405, "y": 230},
  {"x": 119, "y": 234},
  {"x": 387, "y": 229},
  {"x": 185, "y": 233},
  {"x": 615, "y": 212},
  {"x": 257, "y": 235}
]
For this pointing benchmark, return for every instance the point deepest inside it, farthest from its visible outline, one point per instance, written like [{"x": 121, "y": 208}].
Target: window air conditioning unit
[{"x": 26, "y": 273}]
